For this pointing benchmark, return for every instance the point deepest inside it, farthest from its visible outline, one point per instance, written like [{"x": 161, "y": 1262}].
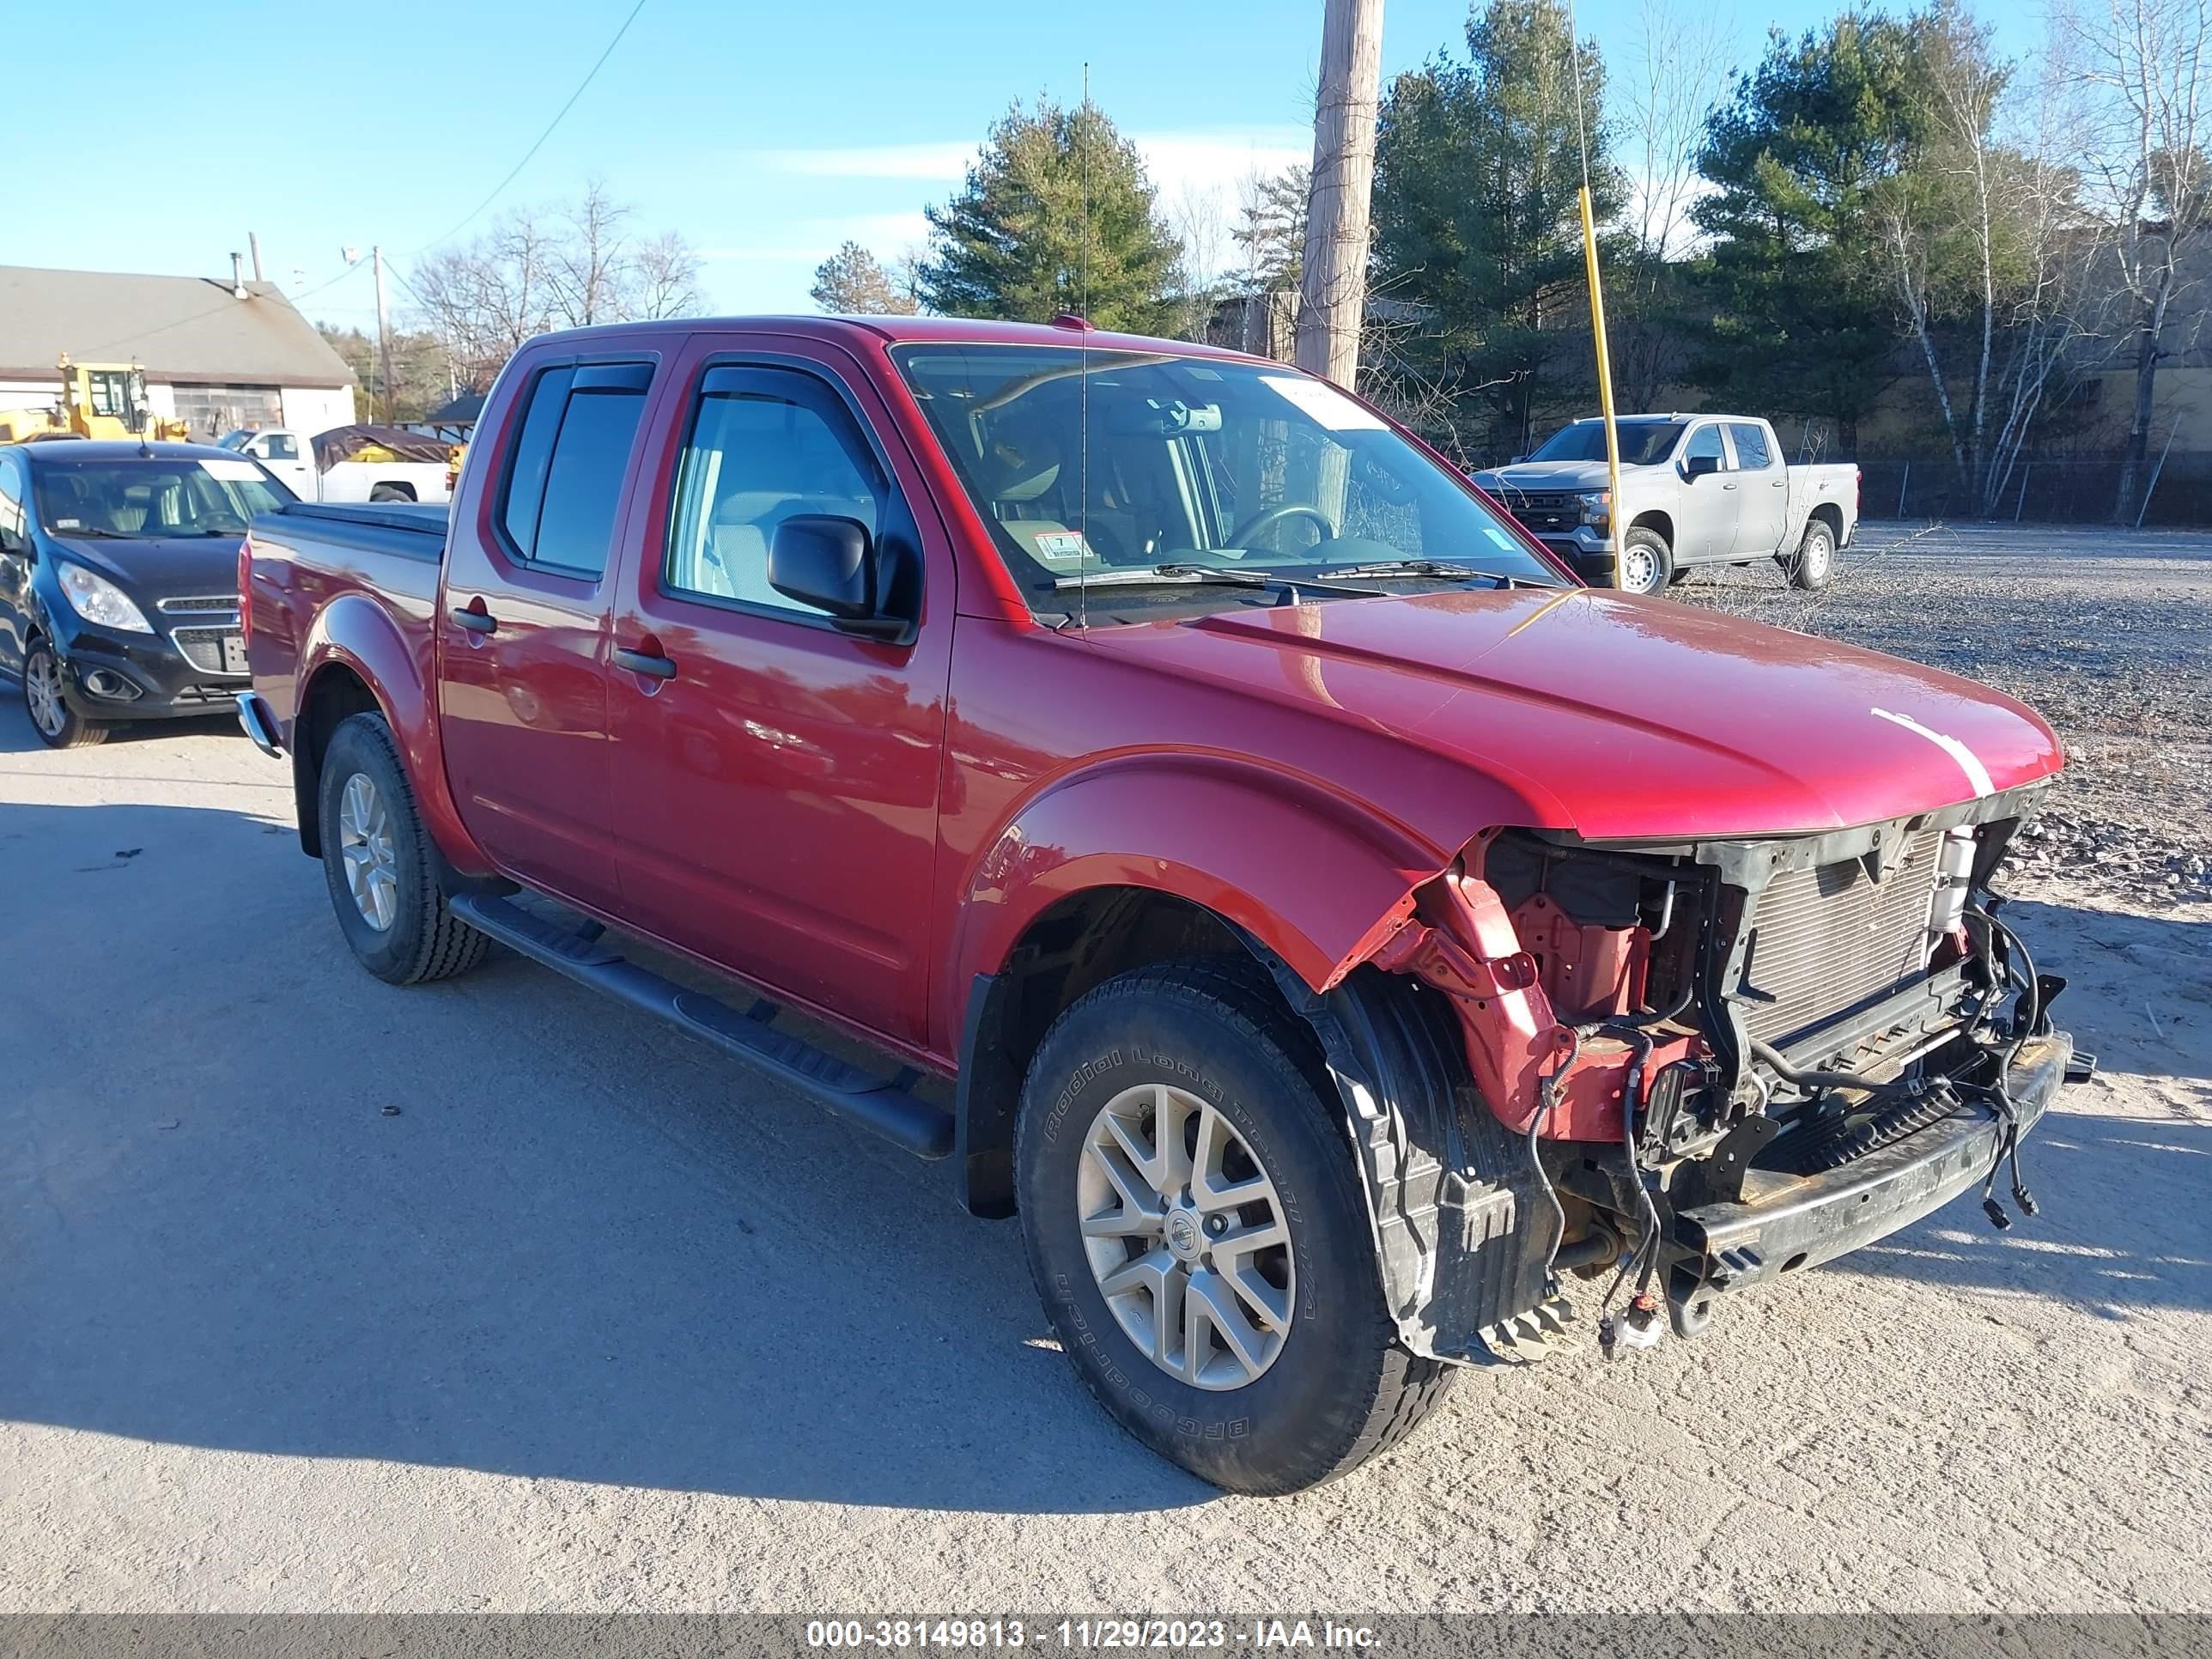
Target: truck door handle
[
  {"x": 645, "y": 662},
  {"x": 474, "y": 619}
]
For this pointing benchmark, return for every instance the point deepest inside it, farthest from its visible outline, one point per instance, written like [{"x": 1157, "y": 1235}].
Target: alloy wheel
[
  {"x": 1186, "y": 1236},
  {"x": 365, "y": 844},
  {"x": 42, "y": 692}
]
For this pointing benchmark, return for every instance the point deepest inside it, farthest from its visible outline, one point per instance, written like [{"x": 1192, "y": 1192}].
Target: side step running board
[{"x": 884, "y": 1104}]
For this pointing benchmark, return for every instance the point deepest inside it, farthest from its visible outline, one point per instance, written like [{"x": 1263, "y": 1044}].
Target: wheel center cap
[{"x": 1184, "y": 1235}]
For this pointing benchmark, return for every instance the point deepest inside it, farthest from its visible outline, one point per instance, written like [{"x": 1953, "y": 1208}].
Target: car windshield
[
  {"x": 140, "y": 499},
  {"x": 1642, "y": 443},
  {"x": 1203, "y": 465}
]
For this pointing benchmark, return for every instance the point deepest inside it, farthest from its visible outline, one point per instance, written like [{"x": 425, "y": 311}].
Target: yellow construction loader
[{"x": 99, "y": 400}]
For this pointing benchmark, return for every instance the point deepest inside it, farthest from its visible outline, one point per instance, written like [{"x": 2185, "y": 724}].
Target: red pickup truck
[{"x": 1251, "y": 860}]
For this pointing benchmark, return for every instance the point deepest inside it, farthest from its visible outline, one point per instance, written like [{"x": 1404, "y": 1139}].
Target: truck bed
[{"x": 310, "y": 555}]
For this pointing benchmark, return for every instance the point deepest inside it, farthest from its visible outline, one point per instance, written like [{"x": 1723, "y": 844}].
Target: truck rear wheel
[
  {"x": 1195, "y": 1227},
  {"x": 1815, "y": 561},
  {"x": 377, "y": 858}
]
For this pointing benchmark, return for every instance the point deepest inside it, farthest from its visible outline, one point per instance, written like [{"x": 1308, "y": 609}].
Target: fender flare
[
  {"x": 355, "y": 633},
  {"x": 1340, "y": 877}
]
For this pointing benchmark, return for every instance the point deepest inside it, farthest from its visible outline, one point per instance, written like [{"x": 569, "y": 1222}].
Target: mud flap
[{"x": 1462, "y": 1231}]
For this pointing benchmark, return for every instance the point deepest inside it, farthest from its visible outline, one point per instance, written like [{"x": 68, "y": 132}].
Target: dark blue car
[{"x": 118, "y": 579}]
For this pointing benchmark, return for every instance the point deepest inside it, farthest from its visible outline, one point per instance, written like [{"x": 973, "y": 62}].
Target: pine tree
[
  {"x": 1477, "y": 169},
  {"x": 1015, "y": 241},
  {"x": 853, "y": 283}
]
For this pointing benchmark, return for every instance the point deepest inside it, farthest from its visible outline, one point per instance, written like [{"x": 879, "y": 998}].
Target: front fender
[
  {"x": 355, "y": 634},
  {"x": 1319, "y": 880}
]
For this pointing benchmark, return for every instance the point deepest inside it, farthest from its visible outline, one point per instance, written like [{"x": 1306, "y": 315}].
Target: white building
[{"x": 212, "y": 359}]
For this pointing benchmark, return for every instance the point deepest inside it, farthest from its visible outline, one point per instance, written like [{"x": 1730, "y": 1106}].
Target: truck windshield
[
  {"x": 1642, "y": 443},
  {"x": 1199, "y": 463},
  {"x": 139, "y": 500}
]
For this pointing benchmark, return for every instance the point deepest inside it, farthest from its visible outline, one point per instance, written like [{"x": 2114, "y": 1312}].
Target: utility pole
[
  {"x": 1334, "y": 300},
  {"x": 253, "y": 243},
  {"x": 383, "y": 330}
]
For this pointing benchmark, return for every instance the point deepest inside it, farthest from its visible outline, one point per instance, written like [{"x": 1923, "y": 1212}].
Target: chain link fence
[{"x": 2071, "y": 490}]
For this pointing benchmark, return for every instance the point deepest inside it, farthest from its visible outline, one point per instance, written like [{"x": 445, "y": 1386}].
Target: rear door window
[
  {"x": 565, "y": 477},
  {"x": 1752, "y": 454}
]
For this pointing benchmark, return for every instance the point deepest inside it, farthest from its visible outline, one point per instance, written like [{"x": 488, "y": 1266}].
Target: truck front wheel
[
  {"x": 377, "y": 858},
  {"x": 1195, "y": 1227},
  {"x": 1647, "y": 563}
]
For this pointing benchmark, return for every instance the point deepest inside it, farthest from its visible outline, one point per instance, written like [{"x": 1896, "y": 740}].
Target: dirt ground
[{"x": 316, "y": 1294}]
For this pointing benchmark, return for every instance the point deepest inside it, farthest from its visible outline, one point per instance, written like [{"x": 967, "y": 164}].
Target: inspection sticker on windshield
[
  {"x": 232, "y": 471},
  {"x": 1063, "y": 550},
  {"x": 1324, "y": 403}
]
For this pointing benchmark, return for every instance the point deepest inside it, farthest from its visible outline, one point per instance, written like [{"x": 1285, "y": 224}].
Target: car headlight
[
  {"x": 1596, "y": 505},
  {"x": 97, "y": 599}
]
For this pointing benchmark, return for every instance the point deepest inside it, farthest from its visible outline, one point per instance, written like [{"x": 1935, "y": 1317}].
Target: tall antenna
[{"x": 1083, "y": 365}]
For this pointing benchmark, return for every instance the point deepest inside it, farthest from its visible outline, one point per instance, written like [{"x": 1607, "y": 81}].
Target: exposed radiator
[{"x": 1824, "y": 941}]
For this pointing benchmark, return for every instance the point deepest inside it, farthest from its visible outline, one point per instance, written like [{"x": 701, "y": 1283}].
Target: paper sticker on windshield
[
  {"x": 1324, "y": 403},
  {"x": 1501, "y": 538},
  {"x": 232, "y": 471},
  {"x": 1063, "y": 550}
]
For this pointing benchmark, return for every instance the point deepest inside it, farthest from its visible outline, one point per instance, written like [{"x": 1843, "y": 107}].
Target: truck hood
[
  {"x": 159, "y": 567},
  {"x": 1505, "y": 482},
  {"x": 1622, "y": 718}
]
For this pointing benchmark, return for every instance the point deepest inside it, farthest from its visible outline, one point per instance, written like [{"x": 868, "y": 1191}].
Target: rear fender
[{"x": 355, "y": 634}]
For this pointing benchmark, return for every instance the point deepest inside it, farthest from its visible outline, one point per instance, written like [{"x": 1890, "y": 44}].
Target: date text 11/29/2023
[{"x": 1088, "y": 1634}]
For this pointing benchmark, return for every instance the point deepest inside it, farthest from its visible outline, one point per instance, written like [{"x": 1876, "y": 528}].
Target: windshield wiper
[
  {"x": 1439, "y": 567},
  {"x": 1199, "y": 575}
]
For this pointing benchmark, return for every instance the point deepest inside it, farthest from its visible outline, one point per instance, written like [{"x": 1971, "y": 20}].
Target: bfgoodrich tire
[
  {"x": 378, "y": 861},
  {"x": 1129, "y": 1225}
]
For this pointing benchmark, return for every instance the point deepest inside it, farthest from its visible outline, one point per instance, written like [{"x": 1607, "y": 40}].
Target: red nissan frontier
[{"x": 1330, "y": 928}]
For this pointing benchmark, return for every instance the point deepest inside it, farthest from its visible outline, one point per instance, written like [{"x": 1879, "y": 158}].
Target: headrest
[{"x": 1020, "y": 467}]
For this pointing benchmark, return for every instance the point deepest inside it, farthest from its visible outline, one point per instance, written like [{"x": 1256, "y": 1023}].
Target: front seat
[{"x": 1017, "y": 475}]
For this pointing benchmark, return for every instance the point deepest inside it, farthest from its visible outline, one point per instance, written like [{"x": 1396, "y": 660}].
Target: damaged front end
[{"x": 1704, "y": 1063}]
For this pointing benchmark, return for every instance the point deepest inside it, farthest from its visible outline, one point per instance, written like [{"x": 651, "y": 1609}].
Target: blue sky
[{"x": 765, "y": 133}]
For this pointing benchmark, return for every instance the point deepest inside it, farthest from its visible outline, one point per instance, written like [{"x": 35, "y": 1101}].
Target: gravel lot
[
  {"x": 2108, "y": 633},
  {"x": 596, "y": 1321}
]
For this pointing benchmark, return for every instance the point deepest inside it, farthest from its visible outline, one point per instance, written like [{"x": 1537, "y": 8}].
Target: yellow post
[{"x": 1604, "y": 387}]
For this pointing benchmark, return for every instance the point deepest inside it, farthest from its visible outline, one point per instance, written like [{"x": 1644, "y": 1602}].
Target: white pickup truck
[
  {"x": 1696, "y": 489},
  {"x": 351, "y": 463}
]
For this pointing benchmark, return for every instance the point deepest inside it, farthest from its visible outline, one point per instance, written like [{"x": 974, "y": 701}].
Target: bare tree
[
  {"x": 539, "y": 269},
  {"x": 665, "y": 278},
  {"x": 1674, "y": 72},
  {"x": 2146, "y": 63},
  {"x": 1198, "y": 217},
  {"x": 1678, "y": 69}
]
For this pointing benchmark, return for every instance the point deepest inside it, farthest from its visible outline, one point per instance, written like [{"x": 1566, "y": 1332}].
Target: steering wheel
[{"x": 1268, "y": 518}]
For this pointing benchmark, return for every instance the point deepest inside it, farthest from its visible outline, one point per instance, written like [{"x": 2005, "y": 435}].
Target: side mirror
[
  {"x": 1516, "y": 461},
  {"x": 831, "y": 564},
  {"x": 1698, "y": 465}
]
